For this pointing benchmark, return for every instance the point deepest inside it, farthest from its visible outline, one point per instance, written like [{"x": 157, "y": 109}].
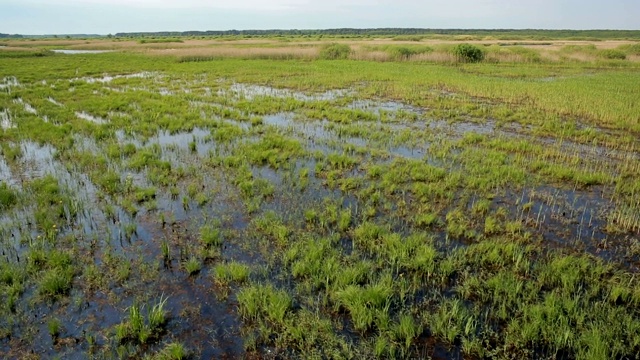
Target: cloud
[
  {"x": 103, "y": 16},
  {"x": 249, "y": 5},
  {"x": 182, "y": 4}
]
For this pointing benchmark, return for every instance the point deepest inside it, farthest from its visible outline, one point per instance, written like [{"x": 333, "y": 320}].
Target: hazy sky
[{"x": 111, "y": 16}]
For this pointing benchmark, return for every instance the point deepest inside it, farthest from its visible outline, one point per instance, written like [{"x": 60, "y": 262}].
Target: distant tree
[{"x": 468, "y": 53}]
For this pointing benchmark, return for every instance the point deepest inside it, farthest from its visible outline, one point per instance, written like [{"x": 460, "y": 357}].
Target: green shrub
[
  {"x": 335, "y": 51},
  {"x": 468, "y": 53},
  {"x": 612, "y": 54}
]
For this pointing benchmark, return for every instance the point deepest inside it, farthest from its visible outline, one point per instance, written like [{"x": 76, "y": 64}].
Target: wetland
[{"x": 213, "y": 202}]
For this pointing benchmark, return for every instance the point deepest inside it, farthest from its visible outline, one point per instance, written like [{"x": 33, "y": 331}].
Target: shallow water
[
  {"x": 94, "y": 119},
  {"x": 8, "y": 82},
  {"x": 72, "y": 52},
  {"x": 201, "y": 319},
  {"x": 249, "y": 92},
  {"x": 27, "y": 107},
  {"x": 5, "y": 120},
  {"x": 54, "y": 102},
  {"x": 109, "y": 78}
]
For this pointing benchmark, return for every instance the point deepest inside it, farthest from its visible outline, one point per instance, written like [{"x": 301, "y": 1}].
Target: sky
[{"x": 32, "y": 17}]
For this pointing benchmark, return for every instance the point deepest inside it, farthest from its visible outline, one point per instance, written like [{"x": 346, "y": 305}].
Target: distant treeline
[
  {"x": 50, "y": 36},
  {"x": 497, "y": 33}
]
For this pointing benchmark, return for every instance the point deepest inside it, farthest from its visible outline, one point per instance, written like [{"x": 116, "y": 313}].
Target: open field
[
  {"x": 405, "y": 48},
  {"x": 279, "y": 198}
]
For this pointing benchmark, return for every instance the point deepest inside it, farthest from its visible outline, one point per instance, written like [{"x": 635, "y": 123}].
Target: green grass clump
[
  {"x": 225, "y": 133},
  {"x": 265, "y": 302},
  {"x": 12, "y": 285},
  {"x": 54, "y": 326},
  {"x": 233, "y": 271},
  {"x": 365, "y": 304},
  {"x": 142, "y": 195},
  {"x": 271, "y": 226},
  {"x": 192, "y": 265},
  {"x": 211, "y": 235},
  {"x": 142, "y": 329},
  {"x": 275, "y": 150},
  {"x": 8, "y": 196},
  {"x": 55, "y": 272},
  {"x": 56, "y": 282},
  {"x": 172, "y": 351}
]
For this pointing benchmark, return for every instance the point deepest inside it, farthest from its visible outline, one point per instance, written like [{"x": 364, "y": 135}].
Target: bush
[
  {"x": 468, "y": 53},
  {"x": 612, "y": 54},
  {"x": 335, "y": 51}
]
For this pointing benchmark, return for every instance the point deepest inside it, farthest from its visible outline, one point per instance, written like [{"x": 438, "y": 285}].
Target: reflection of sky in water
[
  {"x": 72, "y": 52},
  {"x": 250, "y": 91}
]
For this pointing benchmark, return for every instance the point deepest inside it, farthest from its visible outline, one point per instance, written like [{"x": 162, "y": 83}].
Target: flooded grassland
[{"x": 327, "y": 209}]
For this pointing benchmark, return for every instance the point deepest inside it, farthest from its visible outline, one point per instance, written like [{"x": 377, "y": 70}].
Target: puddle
[
  {"x": 327, "y": 137},
  {"x": 108, "y": 78},
  {"x": 54, "y": 102},
  {"x": 5, "y": 120},
  {"x": 593, "y": 152},
  {"x": 37, "y": 161},
  {"x": 312, "y": 130},
  {"x": 571, "y": 218},
  {"x": 27, "y": 107},
  {"x": 384, "y": 106},
  {"x": 5, "y": 173},
  {"x": 94, "y": 119},
  {"x": 165, "y": 138},
  {"x": 82, "y": 143},
  {"x": 8, "y": 82},
  {"x": 72, "y": 52},
  {"x": 115, "y": 89},
  {"x": 249, "y": 92},
  {"x": 118, "y": 114}
]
